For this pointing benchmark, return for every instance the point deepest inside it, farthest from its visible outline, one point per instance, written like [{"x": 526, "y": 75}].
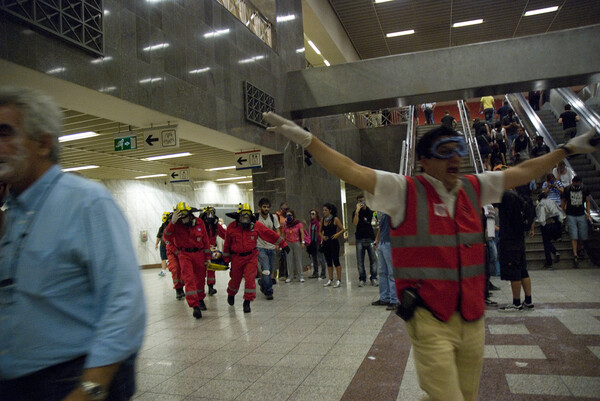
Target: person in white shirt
[
  {"x": 563, "y": 173},
  {"x": 550, "y": 217}
]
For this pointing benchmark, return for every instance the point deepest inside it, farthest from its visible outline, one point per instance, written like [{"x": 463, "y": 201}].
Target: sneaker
[
  {"x": 322, "y": 277},
  {"x": 556, "y": 257},
  {"x": 179, "y": 294},
  {"x": 247, "y": 306},
  {"x": 270, "y": 297},
  {"x": 528, "y": 306},
  {"x": 576, "y": 262},
  {"x": 492, "y": 287},
  {"x": 511, "y": 308},
  {"x": 230, "y": 299},
  {"x": 282, "y": 278},
  {"x": 379, "y": 302},
  {"x": 301, "y": 280},
  {"x": 361, "y": 283},
  {"x": 162, "y": 273},
  {"x": 327, "y": 284},
  {"x": 202, "y": 305},
  {"x": 490, "y": 302},
  {"x": 374, "y": 282},
  {"x": 314, "y": 276},
  {"x": 392, "y": 306},
  {"x": 289, "y": 280},
  {"x": 337, "y": 284},
  {"x": 197, "y": 313}
]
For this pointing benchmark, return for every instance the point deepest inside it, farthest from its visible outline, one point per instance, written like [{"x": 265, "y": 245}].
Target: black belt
[
  {"x": 243, "y": 253},
  {"x": 189, "y": 249}
]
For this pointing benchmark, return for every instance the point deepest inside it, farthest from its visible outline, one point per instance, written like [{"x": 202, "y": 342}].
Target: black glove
[{"x": 286, "y": 249}]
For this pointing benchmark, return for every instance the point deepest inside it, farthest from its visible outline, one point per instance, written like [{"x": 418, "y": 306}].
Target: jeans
[
  {"x": 318, "y": 257},
  {"x": 547, "y": 233},
  {"x": 363, "y": 245},
  {"x": 387, "y": 285},
  {"x": 489, "y": 116},
  {"x": 493, "y": 257},
  {"x": 266, "y": 259},
  {"x": 428, "y": 116},
  {"x": 55, "y": 382}
]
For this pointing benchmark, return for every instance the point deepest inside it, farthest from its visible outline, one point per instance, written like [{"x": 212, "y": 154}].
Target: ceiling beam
[{"x": 558, "y": 59}]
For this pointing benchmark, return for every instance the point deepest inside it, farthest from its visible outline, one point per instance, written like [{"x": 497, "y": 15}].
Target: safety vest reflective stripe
[
  {"x": 250, "y": 290},
  {"x": 234, "y": 290},
  {"x": 279, "y": 241},
  {"x": 436, "y": 273},
  {"x": 226, "y": 254},
  {"x": 193, "y": 292},
  {"x": 177, "y": 281}
]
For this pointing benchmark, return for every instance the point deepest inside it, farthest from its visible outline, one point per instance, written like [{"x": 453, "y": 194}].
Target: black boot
[
  {"x": 230, "y": 299},
  {"x": 211, "y": 290},
  {"x": 202, "y": 305},
  {"x": 197, "y": 312},
  {"x": 179, "y": 294},
  {"x": 247, "y": 306}
]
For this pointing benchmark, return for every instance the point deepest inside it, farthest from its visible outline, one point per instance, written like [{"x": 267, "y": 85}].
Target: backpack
[
  {"x": 257, "y": 214},
  {"x": 527, "y": 212}
]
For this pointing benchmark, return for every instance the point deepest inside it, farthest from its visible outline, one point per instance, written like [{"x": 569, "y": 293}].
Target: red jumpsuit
[
  {"x": 174, "y": 268},
  {"x": 240, "y": 249},
  {"x": 210, "y": 274},
  {"x": 194, "y": 249}
]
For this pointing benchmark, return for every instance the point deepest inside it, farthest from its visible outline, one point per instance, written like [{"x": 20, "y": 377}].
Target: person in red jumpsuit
[
  {"x": 188, "y": 234},
  {"x": 173, "y": 261},
  {"x": 240, "y": 249},
  {"x": 214, "y": 229}
]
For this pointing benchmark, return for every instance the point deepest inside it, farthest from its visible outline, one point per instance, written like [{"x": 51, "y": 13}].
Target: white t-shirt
[
  {"x": 566, "y": 178},
  {"x": 390, "y": 193},
  {"x": 261, "y": 243}
]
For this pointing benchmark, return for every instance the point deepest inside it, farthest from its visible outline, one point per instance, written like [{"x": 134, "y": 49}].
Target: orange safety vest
[{"x": 442, "y": 256}]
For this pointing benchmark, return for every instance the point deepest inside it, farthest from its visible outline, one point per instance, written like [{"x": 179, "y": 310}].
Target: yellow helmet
[
  {"x": 244, "y": 209},
  {"x": 166, "y": 216},
  {"x": 183, "y": 208}
]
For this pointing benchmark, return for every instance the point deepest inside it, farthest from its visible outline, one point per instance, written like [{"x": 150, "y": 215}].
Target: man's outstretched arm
[{"x": 331, "y": 160}]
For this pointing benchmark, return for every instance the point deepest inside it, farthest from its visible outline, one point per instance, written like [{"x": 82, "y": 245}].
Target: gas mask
[{"x": 245, "y": 220}]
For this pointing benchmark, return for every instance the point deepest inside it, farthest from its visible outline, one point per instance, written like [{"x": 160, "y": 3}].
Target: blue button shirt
[{"x": 69, "y": 279}]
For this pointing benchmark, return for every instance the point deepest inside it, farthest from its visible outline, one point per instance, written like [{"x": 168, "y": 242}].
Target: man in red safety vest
[
  {"x": 240, "y": 249},
  {"x": 437, "y": 245},
  {"x": 188, "y": 234}
]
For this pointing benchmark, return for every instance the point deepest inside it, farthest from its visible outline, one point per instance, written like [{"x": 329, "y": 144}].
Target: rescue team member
[
  {"x": 240, "y": 249},
  {"x": 214, "y": 229},
  {"x": 437, "y": 245},
  {"x": 189, "y": 236},
  {"x": 173, "y": 261},
  {"x": 160, "y": 244}
]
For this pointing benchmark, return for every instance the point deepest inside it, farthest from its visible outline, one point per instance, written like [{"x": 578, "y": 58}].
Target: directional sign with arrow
[
  {"x": 248, "y": 159},
  {"x": 179, "y": 174},
  {"x": 161, "y": 138},
  {"x": 149, "y": 140}
]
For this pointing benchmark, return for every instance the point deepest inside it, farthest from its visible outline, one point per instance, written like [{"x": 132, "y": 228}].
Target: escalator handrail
[{"x": 475, "y": 156}]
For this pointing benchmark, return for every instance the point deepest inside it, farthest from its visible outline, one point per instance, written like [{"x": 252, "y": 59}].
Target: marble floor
[{"x": 320, "y": 344}]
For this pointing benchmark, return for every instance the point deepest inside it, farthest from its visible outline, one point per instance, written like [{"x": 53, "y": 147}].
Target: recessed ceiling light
[
  {"x": 74, "y": 137},
  {"x": 541, "y": 11},
  {"x": 220, "y": 168},
  {"x": 150, "y": 176},
  {"x": 381, "y": 1},
  {"x": 167, "y": 156},
  {"x": 66, "y": 170},
  {"x": 467, "y": 23},
  {"x": 326, "y": 62},
  {"x": 232, "y": 178},
  {"x": 315, "y": 48},
  {"x": 401, "y": 33}
]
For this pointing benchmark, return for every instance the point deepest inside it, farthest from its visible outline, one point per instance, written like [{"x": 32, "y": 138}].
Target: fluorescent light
[
  {"x": 285, "y": 18},
  {"x": 541, "y": 11},
  {"x": 150, "y": 176},
  {"x": 150, "y": 80},
  {"x": 216, "y": 33},
  {"x": 232, "y": 178},
  {"x": 74, "y": 137},
  {"x": 326, "y": 62},
  {"x": 381, "y": 1},
  {"x": 251, "y": 59},
  {"x": 315, "y": 48},
  {"x": 467, "y": 23},
  {"x": 156, "y": 47},
  {"x": 401, "y": 33},
  {"x": 167, "y": 156},
  {"x": 300, "y": 50},
  {"x": 101, "y": 60},
  {"x": 220, "y": 168},
  {"x": 107, "y": 89},
  {"x": 275, "y": 179},
  {"x": 66, "y": 170},
  {"x": 244, "y": 182},
  {"x": 57, "y": 70},
  {"x": 199, "y": 70}
]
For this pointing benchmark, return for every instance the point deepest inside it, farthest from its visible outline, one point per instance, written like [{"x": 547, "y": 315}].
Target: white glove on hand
[
  {"x": 288, "y": 128},
  {"x": 581, "y": 143},
  {"x": 176, "y": 216}
]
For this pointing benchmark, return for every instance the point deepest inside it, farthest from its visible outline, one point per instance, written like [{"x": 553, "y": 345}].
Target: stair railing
[{"x": 474, "y": 155}]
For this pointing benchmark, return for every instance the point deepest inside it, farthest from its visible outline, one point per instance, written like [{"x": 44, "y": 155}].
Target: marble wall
[{"x": 143, "y": 203}]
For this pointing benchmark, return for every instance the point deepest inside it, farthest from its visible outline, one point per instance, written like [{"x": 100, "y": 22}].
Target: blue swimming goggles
[{"x": 447, "y": 147}]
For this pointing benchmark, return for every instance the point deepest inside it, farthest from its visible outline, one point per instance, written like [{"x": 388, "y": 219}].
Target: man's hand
[
  {"x": 176, "y": 216},
  {"x": 286, "y": 249},
  {"x": 584, "y": 143},
  {"x": 288, "y": 128}
]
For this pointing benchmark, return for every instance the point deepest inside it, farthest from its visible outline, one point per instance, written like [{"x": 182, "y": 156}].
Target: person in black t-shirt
[
  {"x": 448, "y": 120},
  {"x": 540, "y": 147},
  {"x": 576, "y": 204},
  {"x": 569, "y": 121},
  {"x": 503, "y": 111},
  {"x": 365, "y": 237}
]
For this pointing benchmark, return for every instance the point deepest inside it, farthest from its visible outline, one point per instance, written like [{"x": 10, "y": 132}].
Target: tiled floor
[{"x": 314, "y": 343}]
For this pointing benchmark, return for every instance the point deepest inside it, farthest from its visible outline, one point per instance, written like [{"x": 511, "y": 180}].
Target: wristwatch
[{"x": 94, "y": 391}]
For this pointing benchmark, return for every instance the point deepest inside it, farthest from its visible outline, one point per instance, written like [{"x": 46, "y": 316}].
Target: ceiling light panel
[
  {"x": 540, "y": 11},
  {"x": 467, "y": 23},
  {"x": 401, "y": 33}
]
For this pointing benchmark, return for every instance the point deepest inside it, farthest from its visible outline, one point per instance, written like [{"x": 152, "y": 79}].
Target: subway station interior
[{"x": 169, "y": 96}]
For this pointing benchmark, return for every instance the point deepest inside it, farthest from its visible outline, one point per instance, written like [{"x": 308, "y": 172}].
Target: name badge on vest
[
  {"x": 439, "y": 209},
  {"x": 252, "y": 237}
]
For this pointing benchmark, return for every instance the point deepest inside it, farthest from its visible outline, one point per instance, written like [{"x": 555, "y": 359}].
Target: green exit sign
[{"x": 125, "y": 143}]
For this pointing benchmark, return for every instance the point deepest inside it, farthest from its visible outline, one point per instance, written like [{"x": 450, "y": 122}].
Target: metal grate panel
[{"x": 257, "y": 102}]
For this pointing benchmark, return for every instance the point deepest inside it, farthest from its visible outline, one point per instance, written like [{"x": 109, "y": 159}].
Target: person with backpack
[
  {"x": 266, "y": 250},
  {"x": 517, "y": 216}
]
